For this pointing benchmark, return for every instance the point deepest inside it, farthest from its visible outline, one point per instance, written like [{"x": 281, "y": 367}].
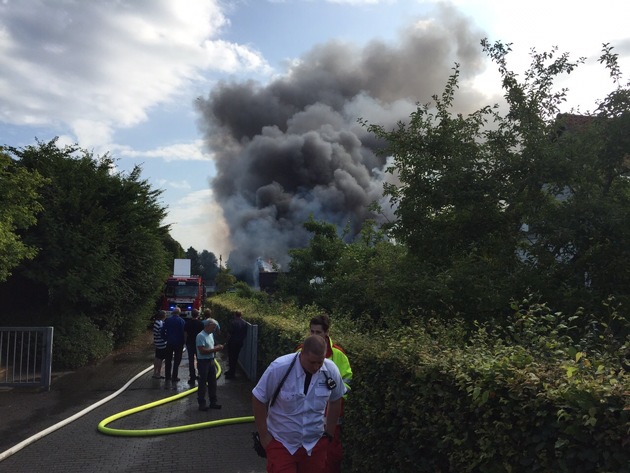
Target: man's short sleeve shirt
[
  {"x": 297, "y": 419},
  {"x": 204, "y": 339}
]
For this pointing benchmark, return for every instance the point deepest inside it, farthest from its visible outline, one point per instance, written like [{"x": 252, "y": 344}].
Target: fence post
[{"x": 47, "y": 351}]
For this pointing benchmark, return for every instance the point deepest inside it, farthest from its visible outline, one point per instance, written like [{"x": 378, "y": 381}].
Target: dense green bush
[
  {"x": 419, "y": 403},
  {"x": 78, "y": 342}
]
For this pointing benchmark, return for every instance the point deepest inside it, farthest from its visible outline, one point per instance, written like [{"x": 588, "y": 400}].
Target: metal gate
[
  {"x": 26, "y": 356},
  {"x": 249, "y": 354}
]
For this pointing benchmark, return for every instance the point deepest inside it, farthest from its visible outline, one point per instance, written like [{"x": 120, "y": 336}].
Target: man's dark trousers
[
  {"x": 192, "y": 354},
  {"x": 173, "y": 358},
  {"x": 234, "y": 348},
  {"x": 207, "y": 381}
]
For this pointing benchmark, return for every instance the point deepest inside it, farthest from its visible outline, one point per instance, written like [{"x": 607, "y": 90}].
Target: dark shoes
[
  {"x": 203, "y": 407},
  {"x": 191, "y": 382}
]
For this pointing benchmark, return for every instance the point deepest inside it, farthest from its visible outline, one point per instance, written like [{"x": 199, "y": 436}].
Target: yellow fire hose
[{"x": 102, "y": 426}]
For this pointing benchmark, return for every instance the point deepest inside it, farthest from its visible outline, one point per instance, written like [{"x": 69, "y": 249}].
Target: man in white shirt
[{"x": 291, "y": 421}]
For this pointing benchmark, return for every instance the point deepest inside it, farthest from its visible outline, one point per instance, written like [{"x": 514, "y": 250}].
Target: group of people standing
[
  {"x": 172, "y": 334},
  {"x": 298, "y": 401}
]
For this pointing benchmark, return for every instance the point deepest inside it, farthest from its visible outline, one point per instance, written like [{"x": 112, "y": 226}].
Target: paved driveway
[{"x": 80, "y": 447}]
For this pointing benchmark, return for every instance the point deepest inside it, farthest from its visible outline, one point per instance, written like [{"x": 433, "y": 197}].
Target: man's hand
[
  {"x": 260, "y": 450},
  {"x": 260, "y": 418}
]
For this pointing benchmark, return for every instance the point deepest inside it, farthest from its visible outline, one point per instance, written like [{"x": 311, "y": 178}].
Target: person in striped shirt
[{"x": 160, "y": 345}]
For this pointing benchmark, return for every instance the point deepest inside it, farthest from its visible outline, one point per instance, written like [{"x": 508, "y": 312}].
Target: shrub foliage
[{"x": 101, "y": 254}]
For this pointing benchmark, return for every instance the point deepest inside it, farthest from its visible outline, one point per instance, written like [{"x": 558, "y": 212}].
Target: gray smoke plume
[{"x": 293, "y": 148}]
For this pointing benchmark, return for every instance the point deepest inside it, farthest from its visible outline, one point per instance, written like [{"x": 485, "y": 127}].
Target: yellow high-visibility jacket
[{"x": 339, "y": 358}]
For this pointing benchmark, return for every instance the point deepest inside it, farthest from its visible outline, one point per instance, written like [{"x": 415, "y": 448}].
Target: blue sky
[{"x": 136, "y": 78}]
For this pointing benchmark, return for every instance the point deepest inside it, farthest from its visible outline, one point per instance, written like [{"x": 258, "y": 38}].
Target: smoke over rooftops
[{"x": 293, "y": 148}]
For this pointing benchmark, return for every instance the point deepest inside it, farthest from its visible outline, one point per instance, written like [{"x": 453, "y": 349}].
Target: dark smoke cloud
[{"x": 293, "y": 148}]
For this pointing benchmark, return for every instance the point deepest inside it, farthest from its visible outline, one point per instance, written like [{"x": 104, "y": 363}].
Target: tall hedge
[{"x": 418, "y": 406}]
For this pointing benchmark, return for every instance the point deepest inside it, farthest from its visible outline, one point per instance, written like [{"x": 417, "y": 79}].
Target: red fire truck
[{"x": 182, "y": 289}]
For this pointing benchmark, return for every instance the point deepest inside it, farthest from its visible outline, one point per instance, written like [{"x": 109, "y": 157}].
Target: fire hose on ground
[{"x": 102, "y": 426}]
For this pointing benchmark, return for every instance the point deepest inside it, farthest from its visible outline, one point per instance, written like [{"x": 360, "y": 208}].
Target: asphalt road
[{"x": 80, "y": 447}]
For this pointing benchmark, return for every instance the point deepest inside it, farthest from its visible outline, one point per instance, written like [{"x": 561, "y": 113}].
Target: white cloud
[
  {"x": 180, "y": 184},
  {"x": 543, "y": 24},
  {"x": 360, "y": 2},
  {"x": 98, "y": 66},
  {"x": 177, "y": 152},
  {"x": 91, "y": 133},
  {"x": 229, "y": 57}
]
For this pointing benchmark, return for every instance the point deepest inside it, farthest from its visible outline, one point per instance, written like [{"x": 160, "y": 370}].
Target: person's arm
[
  {"x": 334, "y": 409},
  {"x": 207, "y": 350},
  {"x": 341, "y": 360},
  {"x": 260, "y": 418}
]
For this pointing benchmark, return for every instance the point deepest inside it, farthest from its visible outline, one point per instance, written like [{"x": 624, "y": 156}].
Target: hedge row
[
  {"x": 420, "y": 407},
  {"x": 422, "y": 400}
]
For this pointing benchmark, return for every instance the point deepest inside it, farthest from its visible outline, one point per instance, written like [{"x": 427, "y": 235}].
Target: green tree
[
  {"x": 204, "y": 264},
  {"x": 377, "y": 282},
  {"x": 496, "y": 205},
  {"x": 102, "y": 255},
  {"x": 372, "y": 280},
  {"x": 20, "y": 205},
  {"x": 193, "y": 256},
  {"x": 173, "y": 247},
  {"x": 209, "y": 266},
  {"x": 310, "y": 267},
  {"x": 224, "y": 280}
]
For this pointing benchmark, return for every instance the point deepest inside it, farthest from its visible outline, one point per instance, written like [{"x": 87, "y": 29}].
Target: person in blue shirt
[{"x": 173, "y": 333}]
